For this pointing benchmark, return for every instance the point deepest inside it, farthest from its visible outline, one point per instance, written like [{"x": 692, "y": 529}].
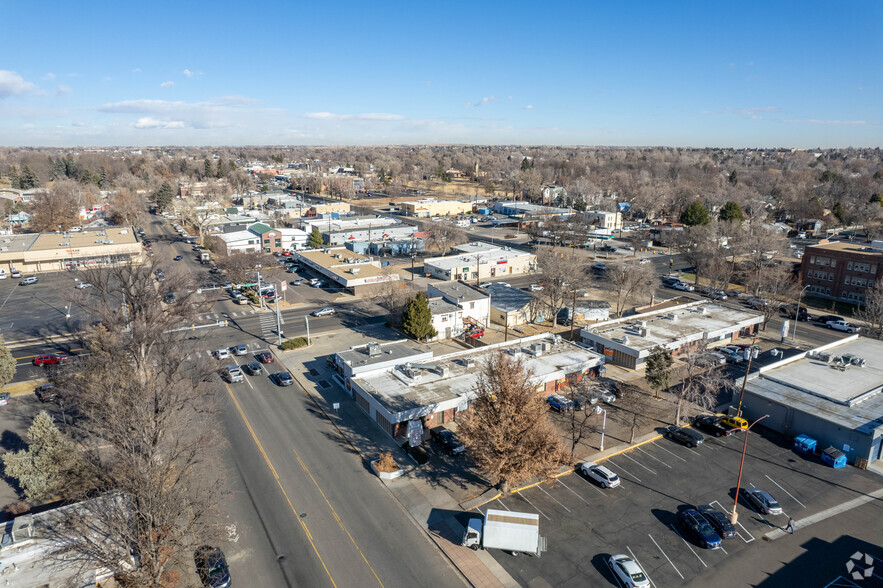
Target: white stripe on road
[
  {"x": 591, "y": 485},
  {"x": 688, "y": 545},
  {"x": 637, "y": 462},
  {"x": 665, "y": 556},
  {"x": 642, "y": 567},
  {"x": 503, "y": 505},
  {"x": 691, "y": 451},
  {"x": 670, "y": 453},
  {"x": 653, "y": 457},
  {"x": 738, "y": 523},
  {"x": 534, "y": 505},
  {"x": 785, "y": 491},
  {"x": 619, "y": 467},
  {"x": 552, "y": 497},
  {"x": 572, "y": 490}
]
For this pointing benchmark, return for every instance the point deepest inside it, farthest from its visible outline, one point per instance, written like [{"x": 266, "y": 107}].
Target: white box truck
[
  {"x": 205, "y": 257},
  {"x": 506, "y": 530}
]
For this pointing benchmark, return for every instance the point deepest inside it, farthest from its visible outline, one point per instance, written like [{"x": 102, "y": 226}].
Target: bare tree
[
  {"x": 582, "y": 422},
  {"x": 126, "y": 207},
  {"x": 630, "y": 408},
  {"x": 393, "y": 296},
  {"x": 871, "y": 312},
  {"x": 444, "y": 236},
  {"x": 628, "y": 282},
  {"x": 200, "y": 211},
  {"x": 700, "y": 385},
  {"x": 507, "y": 427},
  {"x": 58, "y": 208},
  {"x": 563, "y": 271},
  {"x": 696, "y": 244},
  {"x": 240, "y": 266},
  {"x": 774, "y": 284}
]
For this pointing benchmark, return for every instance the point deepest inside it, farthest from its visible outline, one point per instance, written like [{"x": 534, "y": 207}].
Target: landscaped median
[{"x": 292, "y": 344}]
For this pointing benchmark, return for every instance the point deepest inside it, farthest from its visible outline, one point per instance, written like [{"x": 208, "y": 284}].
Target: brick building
[{"x": 841, "y": 269}]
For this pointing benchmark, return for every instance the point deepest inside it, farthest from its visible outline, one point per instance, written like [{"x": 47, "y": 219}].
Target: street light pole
[
  {"x": 745, "y": 377},
  {"x": 797, "y": 313},
  {"x": 734, "y": 516},
  {"x": 598, "y": 409}
]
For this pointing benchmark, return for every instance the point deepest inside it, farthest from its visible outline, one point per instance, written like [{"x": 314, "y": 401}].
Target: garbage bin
[
  {"x": 834, "y": 457},
  {"x": 805, "y": 444}
]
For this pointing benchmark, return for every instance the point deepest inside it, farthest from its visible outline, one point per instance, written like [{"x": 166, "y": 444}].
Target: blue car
[
  {"x": 697, "y": 528},
  {"x": 560, "y": 403}
]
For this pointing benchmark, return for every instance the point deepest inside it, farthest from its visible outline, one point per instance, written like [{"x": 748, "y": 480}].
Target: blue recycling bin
[
  {"x": 834, "y": 457},
  {"x": 805, "y": 444}
]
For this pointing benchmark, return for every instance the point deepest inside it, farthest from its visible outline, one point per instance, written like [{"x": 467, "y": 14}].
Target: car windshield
[{"x": 705, "y": 528}]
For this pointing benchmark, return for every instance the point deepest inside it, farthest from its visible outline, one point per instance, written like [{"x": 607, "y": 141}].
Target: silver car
[
  {"x": 762, "y": 501},
  {"x": 233, "y": 374},
  {"x": 628, "y": 572}
]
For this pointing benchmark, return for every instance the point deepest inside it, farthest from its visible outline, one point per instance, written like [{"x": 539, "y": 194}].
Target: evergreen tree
[
  {"x": 658, "y": 370},
  {"x": 315, "y": 239},
  {"x": 102, "y": 178},
  {"x": 41, "y": 468},
  {"x": 731, "y": 212},
  {"x": 58, "y": 169},
  {"x": 838, "y": 211},
  {"x": 7, "y": 364},
  {"x": 417, "y": 318},
  {"x": 222, "y": 169},
  {"x": 163, "y": 197},
  {"x": 695, "y": 214},
  {"x": 207, "y": 168},
  {"x": 28, "y": 179},
  {"x": 15, "y": 178},
  {"x": 733, "y": 178}
]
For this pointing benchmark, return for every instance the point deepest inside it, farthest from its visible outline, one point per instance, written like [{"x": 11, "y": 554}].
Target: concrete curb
[
  {"x": 22, "y": 388},
  {"x": 825, "y": 514}
]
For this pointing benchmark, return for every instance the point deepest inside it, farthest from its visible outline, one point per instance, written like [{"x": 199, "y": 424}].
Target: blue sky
[{"x": 802, "y": 74}]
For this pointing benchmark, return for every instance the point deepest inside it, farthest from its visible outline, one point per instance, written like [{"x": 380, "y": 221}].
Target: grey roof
[
  {"x": 508, "y": 299},
  {"x": 388, "y": 352},
  {"x": 442, "y": 306},
  {"x": 460, "y": 290}
]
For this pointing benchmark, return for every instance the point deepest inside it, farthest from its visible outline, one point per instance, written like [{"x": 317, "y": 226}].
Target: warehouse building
[
  {"x": 486, "y": 262},
  {"x": 628, "y": 341},
  {"x": 345, "y": 269},
  {"x": 52, "y": 252},
  {"x": 402, "y": 382},
  {"x": 430, "y": 207},
  {"x": 833, "y": 394}
]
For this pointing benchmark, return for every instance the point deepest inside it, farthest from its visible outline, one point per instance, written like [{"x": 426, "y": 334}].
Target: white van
[{"x": 3, "y": 275}]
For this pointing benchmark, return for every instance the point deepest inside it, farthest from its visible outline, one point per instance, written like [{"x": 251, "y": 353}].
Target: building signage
[
  {"x": 608, "y": 352},
  {"x": 415, "y": 432},
  {"x": 502, "y": 261}
]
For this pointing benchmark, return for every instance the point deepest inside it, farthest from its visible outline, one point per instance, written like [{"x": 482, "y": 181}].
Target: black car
[
  {"x": 211, "y": 565},
  {"x": 822, "y": 320},
  {"x": 792, "y": 313},
  {"x": 253, "y": 368},
  {"x": 684, "y": 435},
  {"x": 712, "y": 424},
  {"x": 283, "y": 379},
  {"x": 694, "y": 525},
  {"x": 47, "y": 393},
  {"x": 179, "y": 257},
  {"x": 718, "y": 521},
  {"x": 447, "y": 439}
]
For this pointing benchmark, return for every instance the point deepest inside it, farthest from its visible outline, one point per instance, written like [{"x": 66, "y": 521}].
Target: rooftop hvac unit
[
  {"x": 826, "y": 357},
  {"x": 644, "y": 331},
  {"x": 373, "y": 349},
  {"x": 108, "y": 242},
  {"x": 536, "y": 349},
  {"x": 547, "y": 346},
  {"x": 703, "y": 310},
  {"x": 354, "y": 270},
  {"x": 470, "y": 363},
  {"x": 671, "y": 316},
  {"x": 625, "y": 339},
  {"x": 642, "y": 324}
]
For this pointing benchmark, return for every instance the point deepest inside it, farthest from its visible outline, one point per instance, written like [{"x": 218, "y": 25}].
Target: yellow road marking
[
  {"x": 33, "y": 356},
  {"x": 279, "y": 482}
]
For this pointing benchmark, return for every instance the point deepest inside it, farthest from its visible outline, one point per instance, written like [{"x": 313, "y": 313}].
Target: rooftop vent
[{"x": 373, "y": 349}]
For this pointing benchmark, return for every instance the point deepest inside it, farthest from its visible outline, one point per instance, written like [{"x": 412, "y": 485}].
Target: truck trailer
[{"x": 506, "y": 530}]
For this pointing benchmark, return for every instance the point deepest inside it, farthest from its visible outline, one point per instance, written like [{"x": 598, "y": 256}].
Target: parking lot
[{"x": 585, "y": 523}]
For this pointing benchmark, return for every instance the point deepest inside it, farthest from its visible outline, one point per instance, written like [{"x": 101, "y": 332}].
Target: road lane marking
[
  {"x": 670, "y": 453},
  {"x": 649, "y": 579},
  {"x": 721, "y": 506},
  {"x": 533, "y": 505},
  {"x": 591, "y": 485},
  {"x": 639, "y": 463},
  {"x": 665, "y": 556},
  {"x": 560, "y": 481},
  {"x": 279, "y": 483},
  {"x": 688, "y": 545},
  {"x": 619, "y": 467},
  {"x": 785, "y": 491},
  {"x": 501, "y": 504},
  {"x": 692, "y": 451},
  {"x": 334, "y": 512},
  {"x": 553, "y": 498},
  {"x": 654, "y": 457}
]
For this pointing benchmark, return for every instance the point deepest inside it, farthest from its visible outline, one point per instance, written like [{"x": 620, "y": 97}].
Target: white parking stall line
[
  {"x": 503, "y": 504},
  {"x": 534, "y": 505},
  {"x": 216, "y": 315},
  {"x": 591, "y": 485},
  {"x": 552, "y": 497},
  {"x": 688, "y": 545},
  {"x": 671, "y": 454},
  {"x": 639, "y": 463},
  {"x": 572, "y": 490},
  {"x": 785, "y": 491},
  {"x": 649, "y": 579},
  {"x": 653, "y": 457},
  {"x": 479, "y": 512},
  {"x": 665, "y": 556},
  {"x": 235, "y": 314},
  {"x": 619, "y": 467},
  {"x": 721, "y": 506},
  {"x": 692, "y": 451}
]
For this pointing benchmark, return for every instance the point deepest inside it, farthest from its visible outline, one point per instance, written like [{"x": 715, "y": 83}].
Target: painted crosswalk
[{"x": 268, "y": 323}]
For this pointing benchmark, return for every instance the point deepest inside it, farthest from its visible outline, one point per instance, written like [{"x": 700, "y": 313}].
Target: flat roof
[
  {"x": 86, "y": 238},
  {"x": 398, "y": 392},
  {"x": 508, "y": 299},
  {"x": 342, "y": 265},
  {"x": 476, "y": 247},
  {"x": 851, "y": 396},
  {"x": 358, "y": 356},
  {"x": 672, "y": 326},
  {"x": 461, "y": 291},
  {"x": 19, "y": 243},
  {"x": 469, "y": 259},
  {"x": 442, "y": 306},
  {"x": 847, "y": 246}
]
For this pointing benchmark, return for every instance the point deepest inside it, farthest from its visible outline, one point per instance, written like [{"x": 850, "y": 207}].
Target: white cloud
[
  {"x": 167, "y": 84},
  {"x": 62, "y": 89},
  {"x": 427, "y": 83},
  {"x": 529, "y": 107},
  {"x": 223, "y": 113},
  {"x": 814, "y": 121},
  {"x": 48, "y": 77},
  {"x": 236, "y": 100},
  {"x": 12, "y": 84},
  {"x": 366, "y": 116},
  {"x": 484, "y": 101},
  {"x": 136, "y": 70},
  {"x": 148, "y": 122},
  {"x": 187, "y": 73},
  {"x": 752, "y": 111}
]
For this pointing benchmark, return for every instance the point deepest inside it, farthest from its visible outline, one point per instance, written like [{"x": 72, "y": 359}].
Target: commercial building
[
  {"x": 601, "y": 219},
  {"x": 345, "y": 269},
  {"x": 526, "y": 209},
  {"x": 511, "y": 307},
  {"x": 52, "y": 252},
  {"x": 261, "y": 237},
  {"x": 486, "y": 262},
  {"x": 842, "y": 269},
  {"x": 588, "y": 310},
  {"x": 401, "y": 382},
  {"x": 447, "y": 319},
  {"x": 833, "y": 394},
  {"x": 339, "y": 231},
  {"x": 430, "y": 207},
  {"x": 474, "y": 302},
  {"x": 628, "y": 341}
]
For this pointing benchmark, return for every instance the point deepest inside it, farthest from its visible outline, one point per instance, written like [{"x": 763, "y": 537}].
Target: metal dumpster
[
  {"x": 834, "y": 457},
  {"x": 805, "y": 444}
]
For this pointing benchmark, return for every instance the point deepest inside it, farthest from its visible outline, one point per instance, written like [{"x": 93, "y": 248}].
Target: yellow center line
[
  {"x": 279, "y": 482},
  {"x": 333, "y": 512},
  {"x": 33, "y": 356}
]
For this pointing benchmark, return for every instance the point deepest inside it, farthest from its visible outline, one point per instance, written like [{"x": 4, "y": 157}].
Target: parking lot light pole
[
  {"x": 797, "y": 314},
  {"x": 599, "y": 410},
  {"x": 734, "y": 516}
]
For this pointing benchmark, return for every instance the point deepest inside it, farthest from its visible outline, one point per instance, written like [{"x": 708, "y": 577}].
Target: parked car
[
  {"x": 560, "y": 403},
  {"x": 179, "y": 257},
  {"x": 669, "y": 280},
  {"x": 761, "y": 501},
  {"x": 758, "y": 303},
  {"x": 627, "y": 572},
  {"x": 504, "y": 284},
  {"x": 47, "y": 393},
  {"x": 212, "y": 568},
  {"x": 239, "y": 350},
  {"x": 29, "y": 280},
  {"x": 732, "y": 355},
  {"x": 233, "y": 374},
  {"x": 83, "y": 285},
  {"x": 711, "y": 358},
  {"x": 711, "y": 424},
  {"x": 264, "y": 357},
  {"x": 50, "y": 359},
  {"x": 475, "y": 333},
  {"x": 697, "y": 528},
  {"x": 221, "y": 354},
  {"x": 684, "y": 435},
  {"x": 447, "y": 439},
  {"x": 297, "y": 282},
  {"x": 718, "y": 520},
  {"x": 14, "y": 273},
  {"x": 824, "y": 319},
  {"x": 683, "y": 287},
  {"x": 253, "y": 369},
  {"x": 282, "y": 379},
  {"x": 535, "y": 288},
  {"x": 485, "y": 285},
  {"x": 791, "y": 312},
  {"x": 842, "y": 326},
  {"x": 318, "y": 284},
  {"x": 326, "y": 311},
  {"x": 170, "y": 297},
  {"x": 600, "y": 474},
  {"x": 733, "y": 422}
]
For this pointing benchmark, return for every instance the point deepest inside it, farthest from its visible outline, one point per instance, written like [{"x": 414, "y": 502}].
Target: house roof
[
  {"x": 460, "y": 290},
  {"x": 260, "y": 228},
  {"x": 508, "y": 299},
  {"x": 442, "y": 306}
]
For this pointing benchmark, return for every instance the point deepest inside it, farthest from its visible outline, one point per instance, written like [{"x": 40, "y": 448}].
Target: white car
[
  {"x": 628, "y": 572},
  {"x": 3, "y": 274},
  {"x": 535, "y": 288},
  {"x": 83, "y": 285},
  {"x": 506, "y": 284},
  {"x": 222, "y": 353},
  {"x": 644, "y": 260},
  {"x": 682, "y": 287},
  {"x": 842, "y": 326},
  {"x": 600, "y": 474},
  {"x": 485, "y": 285},
  {"x": 327, "y": 311}
]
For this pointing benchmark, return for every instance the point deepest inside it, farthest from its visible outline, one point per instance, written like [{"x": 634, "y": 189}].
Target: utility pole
[
  {"x": 260, "y": 297},
  {"x": 307, "y": 321},
  {"x": 572, "y": 315},
  {"x": 278, "y": 319}
]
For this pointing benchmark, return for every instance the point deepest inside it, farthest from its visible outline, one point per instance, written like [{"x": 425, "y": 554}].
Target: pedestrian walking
[{"x": 790, "y": 527}]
